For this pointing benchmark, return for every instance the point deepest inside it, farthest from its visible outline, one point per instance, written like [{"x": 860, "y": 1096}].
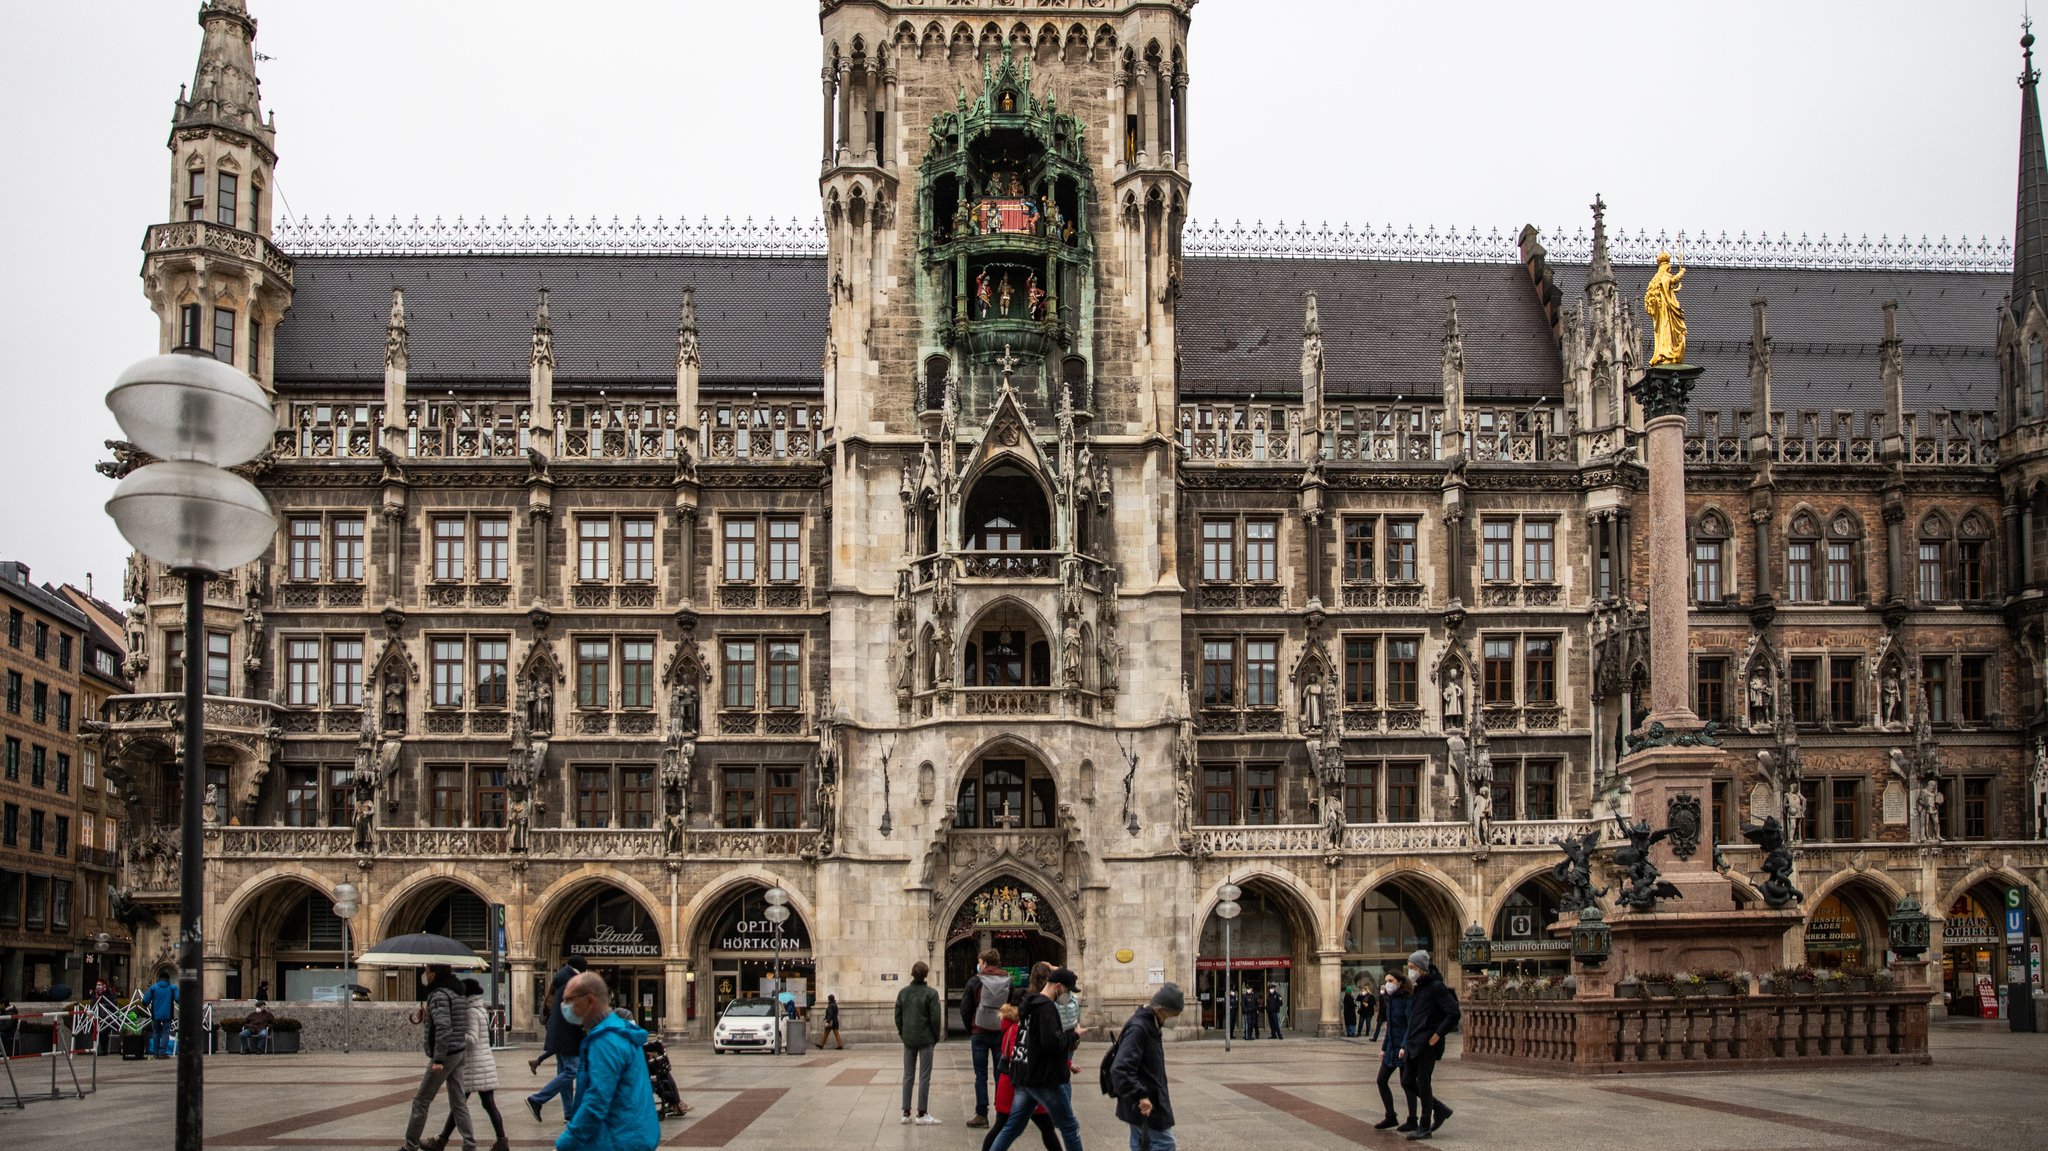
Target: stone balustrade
[
  {"x": 568, "y": 844},
  {"x": 131, "y": 714},
  {"x": 1699, "y": 1033},
  {"x": 1389, "y": 838},
  {"x": 205, "y": 236}
]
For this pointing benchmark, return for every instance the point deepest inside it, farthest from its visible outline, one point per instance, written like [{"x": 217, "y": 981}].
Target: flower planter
[
  {"x": 284, "y": 1042},
  {"x": 1657, "y": 990},
  {"x": 1859, "y": 983},
  {"x": 1802, "y": 987},
  {"x": 1628, "y": 990},
  {"x": 1719, "y": 987}
]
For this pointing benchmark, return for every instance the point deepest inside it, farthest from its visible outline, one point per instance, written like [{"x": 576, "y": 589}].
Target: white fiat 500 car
[{"x": 745, "y": 1025}]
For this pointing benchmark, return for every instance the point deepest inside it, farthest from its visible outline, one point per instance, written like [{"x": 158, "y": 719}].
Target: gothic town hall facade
[{"x": 1007, "y": 562}]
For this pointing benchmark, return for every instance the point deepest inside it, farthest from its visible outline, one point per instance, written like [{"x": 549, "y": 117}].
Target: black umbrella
[{"x": 421, "y": 949}]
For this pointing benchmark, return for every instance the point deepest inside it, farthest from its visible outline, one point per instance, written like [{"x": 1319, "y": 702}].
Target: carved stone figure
[
  {"x": 1927, "y": 805},
  {"x": 1454, "y": 697},
  {"x": 673, "y": 823},
  {"x": 213, "y": 805},
  {"x": 1889, "y": 703},
  {"x": 1575, "y": 872},
  {"x": 683, "y": 715},
  {"x": 2038, "y": 778},
  {"x": 1107, "y": 649},
  {"x": 394, "y": 703},
  {"x": 1312, "y": 703},
  {"x": 1760, "y": 710},
  {"x": 518, "y": 820},
  {"x": 1333, "y": 821},
  {"x": 1070, "y": 654},
  {"x": 1795, "y": 815},
  {"x": 1777, "y": 886},
  {"x": 1643, "y": 886},
  {"x": 540, "y": 705},
  {"x": 365, "y": 812},
  {"x": 1457, "y": 761}
]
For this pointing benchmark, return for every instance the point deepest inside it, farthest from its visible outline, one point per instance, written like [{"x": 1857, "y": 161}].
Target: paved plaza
[{"x": 1985, "y": 1090}]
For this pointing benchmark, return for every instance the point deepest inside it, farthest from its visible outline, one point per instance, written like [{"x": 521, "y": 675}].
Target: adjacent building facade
[{"x": 1007, "y": 562}]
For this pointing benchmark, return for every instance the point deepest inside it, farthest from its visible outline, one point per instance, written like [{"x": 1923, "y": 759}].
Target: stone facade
[{"x": 1041, "y": 607}]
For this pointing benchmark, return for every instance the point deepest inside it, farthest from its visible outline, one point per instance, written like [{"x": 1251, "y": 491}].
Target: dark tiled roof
[
  {"x": 469, "y": 318},
  {"x": 1825, "y": 328},
  {"x": 15, "y": 581},
  {"x": 1240, "y": 327}
]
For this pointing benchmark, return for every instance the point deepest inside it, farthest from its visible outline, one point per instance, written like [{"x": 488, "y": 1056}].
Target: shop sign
[
  {"x": 1247, "y": 963},
  {"x": 758, "y": 935},
  {"x": 1530, "y": 946},
  {"x": 1967, "y": 931},
  {"x": 608, "y": 941}
]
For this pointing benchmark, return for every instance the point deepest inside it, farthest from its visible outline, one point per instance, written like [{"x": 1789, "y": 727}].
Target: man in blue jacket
[
  {"x": 162, "y": 1001},
  {"x": 614, "y": 1096}
]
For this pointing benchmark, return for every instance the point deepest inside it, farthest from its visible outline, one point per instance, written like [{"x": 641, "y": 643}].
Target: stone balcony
[
  {"x": 200, "y": 237},
  {"x": 163, "y": 712},
  {"x": 1255, "y": 841}
]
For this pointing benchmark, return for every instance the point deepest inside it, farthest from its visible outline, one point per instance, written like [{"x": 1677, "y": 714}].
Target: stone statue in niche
[
  {"x": 1927, "y": 806},
  {"x": 1107, "y": 649},
  {"x": 1760, "y": 699},
  {"x": 394, "y": 703},
  {"x": 1479, "y": 786},
  {"x": 518, "y": 821},
  {"x": 1457, "y": 761},
  {"x": 540, "y": 705},
  {"x": 1312, "y": 702},
  {"x": 683, "y": 712},
  {"x": 1070, "y": 654},
  {"x": 212, "y": 813},
  {"x": 1454, "y": 697},
  {"x": 364, "y": 809},
  {"x": 673, "y": 822},
  {"x": 1888, "y": 702}
]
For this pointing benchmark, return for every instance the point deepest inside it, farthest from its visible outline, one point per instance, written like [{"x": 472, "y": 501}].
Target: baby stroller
[{"x": 659, "y": 1073}]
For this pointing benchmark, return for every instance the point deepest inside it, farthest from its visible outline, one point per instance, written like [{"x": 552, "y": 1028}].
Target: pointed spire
[
  {"x": 396, "y": 341},
  {"x": 686, "y": 331},
  {"x": 1600, "y": 271},
  {"x": 2030, "y": 227},
  {"x": 225, "y": 91}
]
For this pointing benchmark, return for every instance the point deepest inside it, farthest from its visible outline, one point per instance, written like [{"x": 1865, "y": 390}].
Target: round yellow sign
[{"x": 1125, "y": 955}]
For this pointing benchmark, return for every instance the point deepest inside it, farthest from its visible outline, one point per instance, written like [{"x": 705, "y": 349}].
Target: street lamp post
[
  {"x": 1227, "y": 909},
  {"x": 778, "y": 914},
  {"x": 197, "y": 417},
  {"x": 345, "y": 907}
]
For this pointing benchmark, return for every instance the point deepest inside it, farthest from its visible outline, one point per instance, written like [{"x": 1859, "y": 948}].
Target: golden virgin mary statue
[{"x": 1667, "y": 318}]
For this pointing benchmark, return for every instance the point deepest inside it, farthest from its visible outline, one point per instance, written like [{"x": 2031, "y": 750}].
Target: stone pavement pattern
[{"x": 1984, "y": 1091}]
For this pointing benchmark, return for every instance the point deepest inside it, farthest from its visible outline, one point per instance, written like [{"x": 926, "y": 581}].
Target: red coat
[{"x": 1006, "y": 1092}]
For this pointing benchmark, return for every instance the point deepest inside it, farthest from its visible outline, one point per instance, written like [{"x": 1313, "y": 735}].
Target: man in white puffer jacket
[{"x": 479, "y": 1070}]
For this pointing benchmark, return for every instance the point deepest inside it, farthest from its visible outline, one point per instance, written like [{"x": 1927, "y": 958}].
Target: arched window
[
  {"x": 1603, "y": 396},
  {"x": 1007, "y": 512},
  {"x": 1933, "y": 564},
  {"x": 1802, "y": 541},
  {"x": 1007, "y": 648},
  {"x": 1972, "y": 566},
  {"x": 2035, "y": 373},
  {"x": 1844, "y": 559},
  {"x": 936, "y": 368},
  {"x": 1004, "y": 792},
  {"x": 1710, "y": 560}
]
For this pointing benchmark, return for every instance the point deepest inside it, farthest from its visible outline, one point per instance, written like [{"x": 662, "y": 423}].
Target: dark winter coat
[
  {"x": 447, "y": 1020},
  {"x": 1434, "y": 1011},
  {"x": 1397, "y": 1027},
  {"x": 563, "y": 1037},
  {"x": 1040, "y": 1057},
  {"x": 1140, "y": 1072},
  {"x": 919, "y": 1020}
]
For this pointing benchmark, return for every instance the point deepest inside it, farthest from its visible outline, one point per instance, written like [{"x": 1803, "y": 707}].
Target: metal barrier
[{"x": 68, "y": 1024}]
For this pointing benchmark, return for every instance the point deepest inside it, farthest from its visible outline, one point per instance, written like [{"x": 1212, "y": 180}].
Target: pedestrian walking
[
  {"x": 981, "y": 1004},
  {"x": 1006, "y": 1089},
  {"x": 1252, "y": 1011},
  {"x": 614, "y": 1096},
  {"x": 1039, "y": 1067},
  {"x": 445, "y": 1036},
  {"x": 1138, "y": 1073},
  {"x": 832, "y": 1024},
  {"x": 1273, "y": 1009},
  {"x": 162, "y": 1001},
  {"x": 920, "y": 1024},
  {"x": 1380, "y": 1009},
  {"x": 562, "y": 1039},
  {"x": 1432, "y": 1014},
  {"x": 479, "y": 1070},
  {"x": 1396, "y": 994},
  {"x": 1350, "y": 1011},
  {"x": 1368, "y": 1012}
]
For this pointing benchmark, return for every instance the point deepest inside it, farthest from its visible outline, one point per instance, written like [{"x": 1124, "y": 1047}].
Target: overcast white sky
[{"x": 1859, "y": 116}]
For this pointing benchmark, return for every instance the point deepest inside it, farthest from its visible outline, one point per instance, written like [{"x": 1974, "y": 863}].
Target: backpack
[
  {"x": 1456, "y": 1012},
  {"x": 1106, "y": 1077},
  {"x": 970, "y": 1001}
]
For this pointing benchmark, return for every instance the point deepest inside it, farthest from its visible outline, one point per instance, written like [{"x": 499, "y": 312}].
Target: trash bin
[{"x": 795, "y": 1036}]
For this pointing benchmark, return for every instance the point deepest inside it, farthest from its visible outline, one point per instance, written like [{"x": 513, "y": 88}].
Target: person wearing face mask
[
  {"x": 1039, "y": 1068},
  {"x": 614, "y": 1096},
  {"x": 1394, "y": 991},
  {"x": 445, "y": 1016},
  {"x": 1139, "y": 1071},
  {"x": 1432, "y": 1014}
]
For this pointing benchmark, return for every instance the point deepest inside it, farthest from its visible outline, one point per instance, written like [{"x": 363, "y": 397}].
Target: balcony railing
[
  {"x": 571, "y": 844},
  {"x": 199, "y": 235},
  {"x": 1384, "y": 838},
  {"x": 1001, "y": 701},
  {"x": 162, "y": 709},
  {"x": 1241, "y": 433},
  {"x": 1832, "y": 438},
  {"x": 779, "y": 431}
]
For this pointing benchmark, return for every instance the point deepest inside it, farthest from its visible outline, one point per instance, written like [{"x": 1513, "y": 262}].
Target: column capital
[{"x": 1666, "y": 389}]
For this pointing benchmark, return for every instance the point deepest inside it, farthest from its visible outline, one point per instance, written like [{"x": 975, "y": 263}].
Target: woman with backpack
[
  {"x": 1394, "y": 995},
  {"x": 1006, "y": 1092}
]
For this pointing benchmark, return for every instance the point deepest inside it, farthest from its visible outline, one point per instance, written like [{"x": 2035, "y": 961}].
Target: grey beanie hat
[
  {"x": 1170, "y": 997},
  {"x": 1420, "y": 959}
]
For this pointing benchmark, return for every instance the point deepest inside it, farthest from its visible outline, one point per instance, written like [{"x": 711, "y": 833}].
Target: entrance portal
[
  {"x": 1012, "y": 918},
  {"x": 621, "y": 941},
  {"x": 749, "y": 956}
]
